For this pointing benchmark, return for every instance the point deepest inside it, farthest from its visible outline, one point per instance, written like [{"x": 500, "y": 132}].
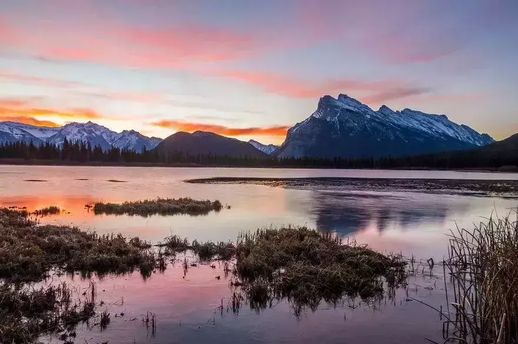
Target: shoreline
[{"x": 22, "y": 162}]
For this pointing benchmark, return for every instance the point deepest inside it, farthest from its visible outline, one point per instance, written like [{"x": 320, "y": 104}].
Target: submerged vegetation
[
  {"x": 302, "y": 265},
  {"x": 159, "y": 206},
  {"x": 205, "y": 251},
  {"x": 483, "y": 267},
  {"x": 50, "y": 210}
]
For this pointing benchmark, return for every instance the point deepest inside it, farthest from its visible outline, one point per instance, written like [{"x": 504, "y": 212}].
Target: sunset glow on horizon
[{"x": 250, "y": 69}]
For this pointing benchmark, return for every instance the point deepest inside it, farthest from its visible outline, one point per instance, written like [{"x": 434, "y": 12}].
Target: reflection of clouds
[
  {"x": 73, "y": 206},
  {"x": 349, "y": 212}
]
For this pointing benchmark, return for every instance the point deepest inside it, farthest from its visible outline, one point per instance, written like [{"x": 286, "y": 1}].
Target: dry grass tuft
[{"x": 51, "y": 210}]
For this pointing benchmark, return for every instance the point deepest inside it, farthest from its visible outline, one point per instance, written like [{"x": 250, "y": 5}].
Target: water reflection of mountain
[{"x": 348, "y": 212}]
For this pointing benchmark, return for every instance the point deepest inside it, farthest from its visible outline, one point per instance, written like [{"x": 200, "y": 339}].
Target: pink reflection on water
[{"x": 189, "y": 310}]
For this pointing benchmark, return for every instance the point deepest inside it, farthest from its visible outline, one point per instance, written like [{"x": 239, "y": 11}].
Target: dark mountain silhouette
[
  {"x": 202, "y": 143},
  {"x": 500, "y": 154}
]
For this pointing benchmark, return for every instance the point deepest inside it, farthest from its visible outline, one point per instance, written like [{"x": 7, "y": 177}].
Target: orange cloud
[
  {"x": 222, "y": 130},
  {"x": 28, "y": 120},
  {"x": 43, "y": 112},
  {"x": 25, "y": 112}
]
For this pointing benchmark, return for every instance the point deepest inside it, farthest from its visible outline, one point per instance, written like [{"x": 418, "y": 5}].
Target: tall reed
[{"x": 483, "y": 267}]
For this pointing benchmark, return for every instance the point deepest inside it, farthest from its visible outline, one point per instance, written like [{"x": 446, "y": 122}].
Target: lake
[{"x": 195, "y": 307}]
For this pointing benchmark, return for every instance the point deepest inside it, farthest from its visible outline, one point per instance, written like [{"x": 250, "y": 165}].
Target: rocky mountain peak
[{"x": 352, "y": 129}]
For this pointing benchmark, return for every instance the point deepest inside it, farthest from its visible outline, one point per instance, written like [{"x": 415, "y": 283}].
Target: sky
[{"x": 251, "y": 69}]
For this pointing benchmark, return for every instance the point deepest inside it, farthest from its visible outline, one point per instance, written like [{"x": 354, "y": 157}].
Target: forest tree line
[{"x": 79, "y": 152}]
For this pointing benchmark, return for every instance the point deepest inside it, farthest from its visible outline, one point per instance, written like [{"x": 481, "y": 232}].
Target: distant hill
[
  {"x": 345, "y": 128},
  {"x": 505, "y": 149},
  {"x": 201, "y": 143},
  {"x": 498, "y": 155}
]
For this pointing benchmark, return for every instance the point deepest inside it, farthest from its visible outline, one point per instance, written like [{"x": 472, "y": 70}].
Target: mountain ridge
[{"x": 92, "y": 133}]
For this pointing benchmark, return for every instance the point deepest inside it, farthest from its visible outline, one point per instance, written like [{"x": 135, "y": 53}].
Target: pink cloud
[
  {"x": 34, "y": 80},
  {"x": 80, "y": 88},
  {"x": 140, "y": 97},
  {"x": 128, "y": 46},
  {"x": 393, "y": 93},
  {"x": 401, "y": 32},
  {"x": 200, "y": 49},
  {"x": 369, "y": 91}
]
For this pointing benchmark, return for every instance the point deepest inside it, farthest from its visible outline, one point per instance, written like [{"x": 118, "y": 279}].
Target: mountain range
[
  {"x": 94, "y": 134},
  {"x": 341, "y": 127}
]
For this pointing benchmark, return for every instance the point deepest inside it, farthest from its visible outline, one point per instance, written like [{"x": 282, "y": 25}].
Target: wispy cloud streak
[
  {"x": 222, "y": 130},
  {"x": 25, "y": 111}
]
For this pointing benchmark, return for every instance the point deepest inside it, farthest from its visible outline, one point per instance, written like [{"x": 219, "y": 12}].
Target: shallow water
[
  {"x": 198, "y": 308},
  {"x": 413, "y": 223}
]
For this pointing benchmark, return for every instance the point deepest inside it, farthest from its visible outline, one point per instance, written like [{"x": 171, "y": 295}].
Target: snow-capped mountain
[
  {"x": 135, "y": 140},
  {"x": 267, "y": 149},
  {"x": 344, "y": 127},
  {"x": 94, "y": 134},
  {"x": 13, "y": 132}
]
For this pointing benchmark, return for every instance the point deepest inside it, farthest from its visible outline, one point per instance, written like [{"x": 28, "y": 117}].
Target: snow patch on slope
[{"x": 267, "y": 149}]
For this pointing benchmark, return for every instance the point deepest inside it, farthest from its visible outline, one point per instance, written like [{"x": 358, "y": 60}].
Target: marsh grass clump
[
  {"x": 51, "y": 210},
  {"x": 483, "y": 267},
  {"x": 29, "y": 251},
  {"x": 209, "y": 250},
  {"x": 175, "y": 244},
  {"x": 105, "y": 320},
  {"x": 307, "y": 266},
  {"x": 27, "y": 312},
  {"x": 302, "y": 265},
  {"x": 205, "y": 251},
  {"x": 159, "y": 206}
]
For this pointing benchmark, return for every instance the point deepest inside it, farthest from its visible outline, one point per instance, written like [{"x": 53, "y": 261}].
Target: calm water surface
[{"x": 413, "y": 223}]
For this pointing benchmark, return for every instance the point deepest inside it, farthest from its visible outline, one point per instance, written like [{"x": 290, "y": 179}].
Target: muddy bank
[{"x": 501, "y": 188}]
